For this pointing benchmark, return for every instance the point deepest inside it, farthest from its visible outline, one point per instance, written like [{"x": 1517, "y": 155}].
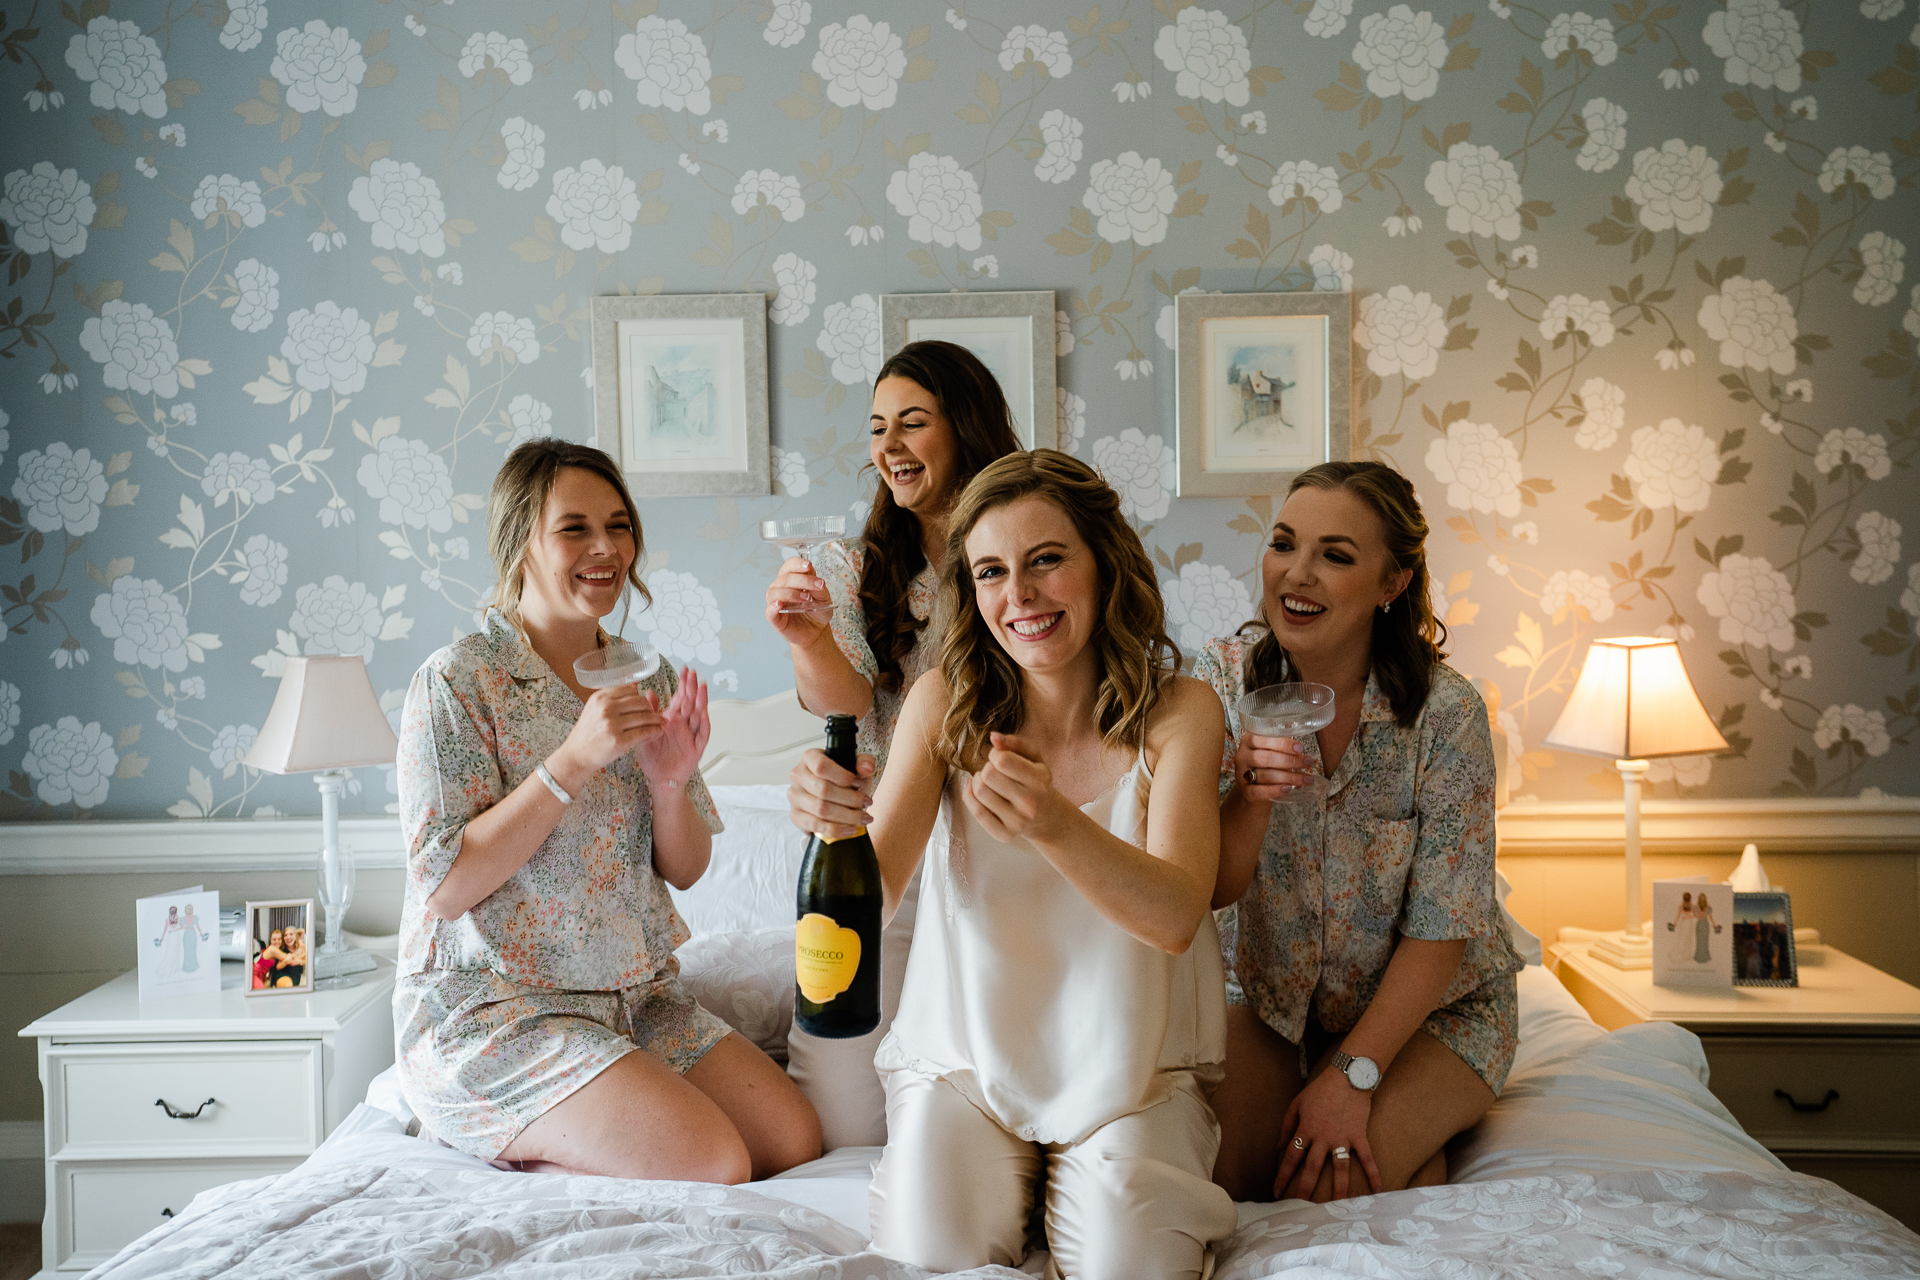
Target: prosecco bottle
[{"x": 836, "y": 944}]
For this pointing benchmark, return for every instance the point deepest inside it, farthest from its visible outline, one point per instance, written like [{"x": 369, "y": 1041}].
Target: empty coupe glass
[
  {"x": 1294, "y": 710},
  {"x": 618, "y": 663},
  {"x": 800, "y": 536}
]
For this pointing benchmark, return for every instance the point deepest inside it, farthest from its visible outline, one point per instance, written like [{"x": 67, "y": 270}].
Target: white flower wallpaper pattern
[{"x": 283, "y": 289}]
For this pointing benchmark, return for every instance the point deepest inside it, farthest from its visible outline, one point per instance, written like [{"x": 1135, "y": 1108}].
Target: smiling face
[
  {"x": 579, "y": 551},
  {"x": 913, "y": 446},
  {"x": 1325, "y": 572},
  {"x": 1036, "y": 583}
]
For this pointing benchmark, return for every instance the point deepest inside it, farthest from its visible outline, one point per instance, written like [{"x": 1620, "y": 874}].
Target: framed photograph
[
  {"x": 1012, "y": 333},
  {"x": 279, "y": 953},
  {"x": 1264, "y": 389},
  {"x": 178, "y": 941},
  {"x": 1763, "y": 941},
  {"x": 1692, "y": 943},
  {"x": 680, "y": 392}
]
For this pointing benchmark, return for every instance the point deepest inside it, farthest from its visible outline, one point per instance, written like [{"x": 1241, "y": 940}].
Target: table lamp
[
  {"x": 1633, "y": 701},
  {"x": 327, "y": 720}
]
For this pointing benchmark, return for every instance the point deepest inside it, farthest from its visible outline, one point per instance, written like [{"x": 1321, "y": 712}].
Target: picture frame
[
  {"x": 273, "y": 967},
  {"x": 680, "y": 392},
  {"x": 1013, "y": 334},
  {"x": 1264, "y": 389},
  {"x": 1763, "y": 954}
]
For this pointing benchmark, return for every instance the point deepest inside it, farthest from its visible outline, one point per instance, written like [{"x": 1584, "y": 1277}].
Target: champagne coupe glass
[
  {"x": 800, "y": 536},
  {"x": 621, "y": 662},
  {"x": 336, "y": 895},
  {"x": 1291, "y": 710}
]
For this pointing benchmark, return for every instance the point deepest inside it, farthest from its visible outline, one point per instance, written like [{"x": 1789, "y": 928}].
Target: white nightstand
[
  {"x": 281, "y": 1072},
  {"x": 1825, "y": 1075}
]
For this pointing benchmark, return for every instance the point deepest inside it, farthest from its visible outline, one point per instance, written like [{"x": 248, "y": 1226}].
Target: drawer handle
[
  {"x": 166, "y": 1213},
  {"x": 182, "y": 1115},
  {"x": 1808, "y": 1107}
]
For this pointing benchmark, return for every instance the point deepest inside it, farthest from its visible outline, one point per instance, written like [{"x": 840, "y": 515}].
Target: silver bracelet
[{"x": 559, "y": 792}]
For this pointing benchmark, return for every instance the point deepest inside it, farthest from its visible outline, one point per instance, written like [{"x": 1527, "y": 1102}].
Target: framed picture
[
  {"x": 279, "y": 954},
  {"x": 1763, "y": 941},
  {"x": 1264, "y": 389},
  {"x": 680, "y": 392},
  {"x": 1012, "y": 333}
]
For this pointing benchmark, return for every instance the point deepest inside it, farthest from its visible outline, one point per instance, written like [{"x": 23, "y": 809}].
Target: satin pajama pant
[{"x": 1134, "y": 1198}]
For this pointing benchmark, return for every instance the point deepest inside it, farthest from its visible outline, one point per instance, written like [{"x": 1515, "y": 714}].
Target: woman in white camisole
[{"x": 1063, "y": 1011}]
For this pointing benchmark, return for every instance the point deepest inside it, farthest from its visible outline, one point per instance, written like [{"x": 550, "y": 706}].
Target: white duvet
[{"x": 1606, "y": 1156}]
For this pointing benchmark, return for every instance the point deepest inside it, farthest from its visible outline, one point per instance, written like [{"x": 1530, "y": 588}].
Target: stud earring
[{"x": 1387, "y": 607}]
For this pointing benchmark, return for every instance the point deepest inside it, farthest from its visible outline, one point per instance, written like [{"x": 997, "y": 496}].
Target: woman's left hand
[
  {"x": 1327, "y": 1115},
  {"x": 1012, "y": 795},
  {"x": 672, "y": 756}
]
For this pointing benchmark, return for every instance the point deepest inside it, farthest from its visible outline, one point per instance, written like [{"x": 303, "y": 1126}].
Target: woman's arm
[
  {"x": 682, "y": 836},
  {"x": 823, "y": 675},
  {"x": 1157, "y": 894},
  {"x": 827, "y": 800},
  {"x": 1247, "y": 808},
  {"x": 1416, "y": 978}
]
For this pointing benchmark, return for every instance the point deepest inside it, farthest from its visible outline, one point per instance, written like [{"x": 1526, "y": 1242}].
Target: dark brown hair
[
  {"x": 1136, "y": 655},
  {"x": 1406, "y": 641},
  {"x": 983, "y": 430},
  {"x": 519, "y": 496}
]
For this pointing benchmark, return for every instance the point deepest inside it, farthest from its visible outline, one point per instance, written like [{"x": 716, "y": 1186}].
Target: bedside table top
[
  {"x": 113, "y": 1010},
  {"x": 1837, "y": 991}
]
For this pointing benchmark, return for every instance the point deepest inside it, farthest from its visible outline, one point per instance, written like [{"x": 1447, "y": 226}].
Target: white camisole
[{"x": 1042, "y": 1012}]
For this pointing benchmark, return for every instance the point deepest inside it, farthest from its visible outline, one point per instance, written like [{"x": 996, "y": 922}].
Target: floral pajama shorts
[{"x": 482, "y": 1056}]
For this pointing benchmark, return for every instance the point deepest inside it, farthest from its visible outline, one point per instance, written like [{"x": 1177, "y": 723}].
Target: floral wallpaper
[{"x": 284, "y": 287}]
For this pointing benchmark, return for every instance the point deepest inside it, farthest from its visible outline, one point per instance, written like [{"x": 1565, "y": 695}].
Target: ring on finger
[
  {"x": 1249, "y": 776},
  {"x": 1340, "y": 1153},
  {"x": 1298, "y": 1143}
]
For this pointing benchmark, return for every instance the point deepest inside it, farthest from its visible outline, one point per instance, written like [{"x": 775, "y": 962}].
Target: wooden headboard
[{"x": 758, "y": 741}]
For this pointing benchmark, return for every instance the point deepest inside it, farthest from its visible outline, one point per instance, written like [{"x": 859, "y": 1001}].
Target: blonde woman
[
  {"x": 1063, "y": 1006},
  {"x": 540, "y": 1018},
  {"x": 1381, "y": 1012}
]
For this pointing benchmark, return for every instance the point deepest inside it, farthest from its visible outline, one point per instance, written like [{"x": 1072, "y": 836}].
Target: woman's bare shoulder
[{"x": 1186, "y": 706}]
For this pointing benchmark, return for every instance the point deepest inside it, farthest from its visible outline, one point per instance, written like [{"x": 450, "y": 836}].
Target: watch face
[{"x": 1363, "y": 1074}]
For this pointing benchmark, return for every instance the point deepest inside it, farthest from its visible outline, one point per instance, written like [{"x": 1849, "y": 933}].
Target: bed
[{"x": 1605, "y": 1156}]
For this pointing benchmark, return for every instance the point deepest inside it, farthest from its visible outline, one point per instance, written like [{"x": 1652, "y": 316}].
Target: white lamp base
[
  {"x": 352, "y": 960},
  {"x": 1623, "y": 950}
]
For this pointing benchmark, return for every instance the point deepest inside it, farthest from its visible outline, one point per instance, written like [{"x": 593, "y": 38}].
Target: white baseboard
[{"x": 1890, "y": 825}]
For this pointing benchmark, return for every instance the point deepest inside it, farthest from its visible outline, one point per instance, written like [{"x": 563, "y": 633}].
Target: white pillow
[
  {"x": 749, "y": 883},
  {"x": 1525, "y": 941},
  {"x": 837, "y": 1075},
  {"x": 746, "y": 980}
]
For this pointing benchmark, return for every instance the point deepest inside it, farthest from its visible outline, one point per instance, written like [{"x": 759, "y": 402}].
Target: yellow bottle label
[{"x": 825, "y": 957}]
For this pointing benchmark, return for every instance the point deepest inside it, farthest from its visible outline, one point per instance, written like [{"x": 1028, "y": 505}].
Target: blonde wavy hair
[
  {"x": 514, "y": 505},
  {"x": 1136, "y": 655}
]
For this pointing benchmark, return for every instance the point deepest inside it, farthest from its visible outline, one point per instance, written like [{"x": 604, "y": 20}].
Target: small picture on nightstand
[
  {"x": 1763, "y": 941},
  {"x": 278, "y": 959}
]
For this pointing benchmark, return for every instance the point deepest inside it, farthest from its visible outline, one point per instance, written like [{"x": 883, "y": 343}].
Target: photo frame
[
  {"x": 1012, "y": 333},
  {"x": 680, "y": 392},
  {"x": 1763, "y": 954},
  {"x": 1264, "y": 389},
  {"x": 275, "y": 966}
]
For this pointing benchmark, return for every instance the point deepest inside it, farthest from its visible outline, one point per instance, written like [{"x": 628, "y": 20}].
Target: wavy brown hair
[
  {"x": 1136, "y": 655},
  {"x": 518, "y": 497},
  {"x": 983, "y": 430},
  {"x": 1406, "y": 641}
]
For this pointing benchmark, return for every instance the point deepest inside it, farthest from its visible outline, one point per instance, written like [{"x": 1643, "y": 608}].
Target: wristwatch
[{"x": 1362, "y": 1073}]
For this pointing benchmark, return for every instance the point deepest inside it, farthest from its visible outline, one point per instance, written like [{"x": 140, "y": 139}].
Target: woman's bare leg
[
  {"x": 1262, "y": 1076},
  {"x": 766, "y": 1109},
  {"x": 637, "y": 1119}
]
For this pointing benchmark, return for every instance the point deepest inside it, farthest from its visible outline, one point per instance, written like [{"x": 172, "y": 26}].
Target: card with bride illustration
[
  {"x": 179, "y": 943},
  {"x": 1692, "y": 932}
]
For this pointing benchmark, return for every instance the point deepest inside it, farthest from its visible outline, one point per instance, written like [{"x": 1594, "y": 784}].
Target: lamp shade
[
  {"x": 325, "y": 717},
  {"x": 1633, "y": 701}
]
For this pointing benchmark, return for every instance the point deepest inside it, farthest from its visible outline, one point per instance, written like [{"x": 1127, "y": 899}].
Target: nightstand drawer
[
  {"x": 266, "y": 1098},
  {"x": 109, "y": 1204},
  {"x": 1878, "y": 1107}
]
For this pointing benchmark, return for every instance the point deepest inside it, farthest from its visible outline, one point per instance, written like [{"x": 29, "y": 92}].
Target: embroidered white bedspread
[{"x": 444, "y": 1224}]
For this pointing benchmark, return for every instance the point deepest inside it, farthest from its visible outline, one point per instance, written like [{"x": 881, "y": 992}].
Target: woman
[
  {"x": 271, "y": 956},
  {"x": 540, "y": 1018},
  {"x": 1063, "y": 1007},
  {"x": 293, "y": 970},
  {"x": 938, "y": 416},
  {"x": 1368, "y": 939},
  {"x": 1682, "y": 937}
]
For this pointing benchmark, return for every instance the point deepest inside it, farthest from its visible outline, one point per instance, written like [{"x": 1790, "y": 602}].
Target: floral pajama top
[
  {"x": 586, "y": 912},
  {"x": 1403, "y": 848},
  {"x": 839, "y": 565}
]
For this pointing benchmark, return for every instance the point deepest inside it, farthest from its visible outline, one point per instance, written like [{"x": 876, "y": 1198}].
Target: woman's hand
[
  {"x": 827, "y": 801},
  {"x": 1013, "y": 794},
  {"x": 672, "y": 755},
  {"x": 797, "y": 583},
  {"x": 1270, "y": 769},
  {"x": 1328, "y": 1114},
  {"x": 613, "y": 722}
]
